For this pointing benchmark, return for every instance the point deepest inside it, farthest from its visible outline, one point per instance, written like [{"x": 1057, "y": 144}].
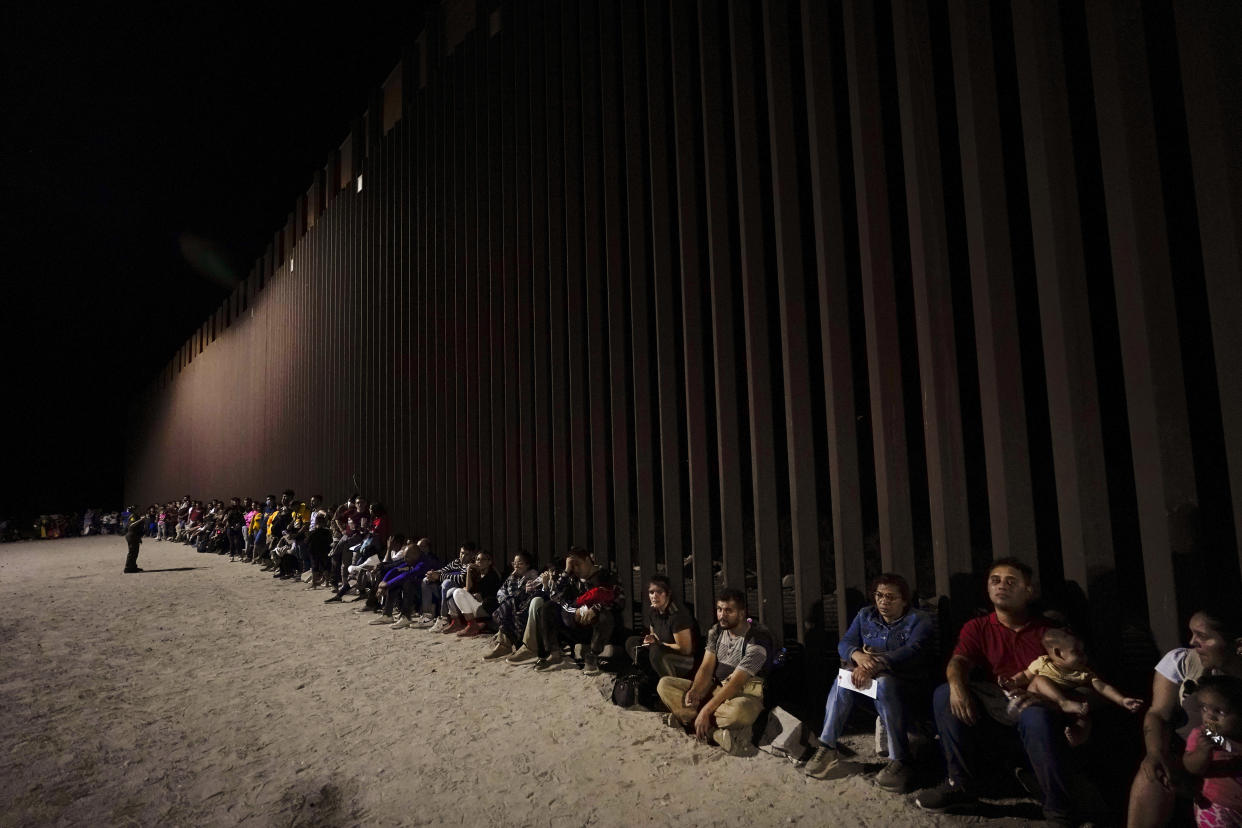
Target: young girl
[{"x": 1214, "y": 752}]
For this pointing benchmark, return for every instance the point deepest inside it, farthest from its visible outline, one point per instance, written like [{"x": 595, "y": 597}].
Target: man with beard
[{"x": 726, "y": 695}]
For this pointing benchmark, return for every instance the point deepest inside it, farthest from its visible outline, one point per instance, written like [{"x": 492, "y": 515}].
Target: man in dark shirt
[
  {"x": 581, "y": 607},
  {"x": 319, "y": 542},
  {"x": 133, "y": 536},
  {"x": 669, "y": 641},
  {"x": 233, "y": 521},
  {"x": 1000, "y": 645},
  {"x": 183, "y": 515}
]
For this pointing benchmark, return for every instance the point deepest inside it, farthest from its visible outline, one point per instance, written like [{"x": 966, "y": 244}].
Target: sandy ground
[{"x": 202, "y": 692}]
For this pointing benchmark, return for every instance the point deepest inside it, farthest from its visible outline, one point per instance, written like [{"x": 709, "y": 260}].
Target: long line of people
[{"x": 1016, "y": 683}]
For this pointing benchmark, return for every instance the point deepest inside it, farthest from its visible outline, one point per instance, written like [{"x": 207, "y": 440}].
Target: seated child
[
  {"x": 1214, "y": 752},
  {"x": 1064, "y": 670}
]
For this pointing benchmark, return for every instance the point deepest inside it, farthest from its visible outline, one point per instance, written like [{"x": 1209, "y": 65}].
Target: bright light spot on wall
[
  {"x": 359, "y": 183},
  {"x": 291, "y": 265}
]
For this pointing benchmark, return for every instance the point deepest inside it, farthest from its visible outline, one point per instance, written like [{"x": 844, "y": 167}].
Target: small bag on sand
[
  {"x": 635, "y": 687},
  {"x": 784, "y": 735}
]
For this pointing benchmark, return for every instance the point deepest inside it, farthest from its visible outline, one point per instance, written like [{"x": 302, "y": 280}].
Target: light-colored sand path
[{"x": 202, "y": 692}]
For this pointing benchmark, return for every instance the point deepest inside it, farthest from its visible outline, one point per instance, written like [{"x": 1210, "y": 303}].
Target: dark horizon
[{"x": 151, "y": 153}]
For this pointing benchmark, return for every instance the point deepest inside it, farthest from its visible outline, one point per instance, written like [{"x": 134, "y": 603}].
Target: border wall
[{"x": 770, "y": 294}]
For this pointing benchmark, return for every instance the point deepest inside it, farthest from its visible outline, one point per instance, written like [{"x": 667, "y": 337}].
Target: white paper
[{"x": 846, "y": 679}]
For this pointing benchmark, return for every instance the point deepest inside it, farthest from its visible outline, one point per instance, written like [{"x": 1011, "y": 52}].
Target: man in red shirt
[{"x": 999, "y": 645}]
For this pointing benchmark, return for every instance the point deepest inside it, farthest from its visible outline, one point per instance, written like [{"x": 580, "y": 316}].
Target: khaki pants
[{"x": 736, "y": 713}]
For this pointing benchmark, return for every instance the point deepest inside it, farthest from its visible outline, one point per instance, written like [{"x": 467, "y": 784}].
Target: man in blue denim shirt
[{"x": 887, "y": 644}]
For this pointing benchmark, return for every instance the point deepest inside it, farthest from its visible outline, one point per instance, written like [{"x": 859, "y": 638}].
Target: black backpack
[{"x": 636, "y": 686}]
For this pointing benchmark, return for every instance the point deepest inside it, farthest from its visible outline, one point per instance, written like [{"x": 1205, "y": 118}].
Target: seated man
[
  {"x": 581, "y": 605},
  {"x": 194, "y": 520},
  {"x": 726, "y": 695},
  {"x": 887, "y": 643},
  {"x": 436, "y": 585},
  {"x": 370, "y": 570},
  {"x": 669, "y": 642},
  {"x": 354, "y": 527},
  {"x": 277, "y": 523},
  {"x": 203, "y": 533},
  {"x": 1000, "y": 644},
  {"x": 343, "y": 555},
  {"x": 288, "y": 551},
  {"x": 401, "y": 585}
]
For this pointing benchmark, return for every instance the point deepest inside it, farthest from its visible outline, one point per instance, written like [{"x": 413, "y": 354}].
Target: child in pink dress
[{"x": 1214, "y": 752}]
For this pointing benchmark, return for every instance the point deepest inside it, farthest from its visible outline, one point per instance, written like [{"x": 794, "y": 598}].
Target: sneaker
[
  {"x": 383, "y": 619},
  {"x": 944, "y": 796},
  {"x": 549, "y": 662},
  {"x": 331, "y": 600},
  {"x": 675, "y": 723},
  {"x": 826, "y": 763},
  {"x": 131, "y": 571},
  {"x": 590, "y": 664},
  {"x": 453, "y": 626},
  {"x": 894, "y": 777},
  {"x": 402, "y": 623},
  {"x": 522, "y": 655},
  {"x": 472, "y": 629},
  {"x": 501, "y": 650},
  {"x": 735, "y": 741},
  {"x": 365, "y": 608},
  {"x": 424, "y": 621},
  {"x": 439, "y": 625}
]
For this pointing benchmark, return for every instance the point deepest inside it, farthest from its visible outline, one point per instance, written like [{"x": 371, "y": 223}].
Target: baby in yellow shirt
[{"x": 1064, "y": 670}]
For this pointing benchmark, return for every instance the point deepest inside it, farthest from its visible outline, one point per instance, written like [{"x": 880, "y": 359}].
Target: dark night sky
[{"x": 129, "y": 131}]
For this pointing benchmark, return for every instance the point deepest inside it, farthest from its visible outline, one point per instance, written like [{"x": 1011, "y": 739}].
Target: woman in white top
[{"x": 1215, "y": 649}]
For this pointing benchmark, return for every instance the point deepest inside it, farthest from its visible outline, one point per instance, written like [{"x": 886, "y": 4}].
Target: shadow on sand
[{"x": 170, "y": 569}]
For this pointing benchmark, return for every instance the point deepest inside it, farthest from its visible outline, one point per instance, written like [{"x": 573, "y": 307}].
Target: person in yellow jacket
[{"x": 258, "y": 550}]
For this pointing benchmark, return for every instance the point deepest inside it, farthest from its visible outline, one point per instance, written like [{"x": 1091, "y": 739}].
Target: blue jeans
[
  {"x": 888, "y": 705},
  {"x": 1039, "y": 729},
  {"x": 436, "y": 592}
]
